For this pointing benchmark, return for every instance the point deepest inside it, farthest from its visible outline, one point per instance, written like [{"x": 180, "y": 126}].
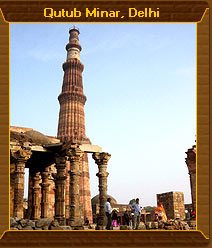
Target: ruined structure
[
  {"x": 173, "y": 203},
  {"x": 59, "y": 184},
  {"x": 191, "y": 164}
]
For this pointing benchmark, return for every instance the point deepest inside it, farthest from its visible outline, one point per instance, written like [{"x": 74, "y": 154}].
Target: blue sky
[{"x": 140, "y": 83}]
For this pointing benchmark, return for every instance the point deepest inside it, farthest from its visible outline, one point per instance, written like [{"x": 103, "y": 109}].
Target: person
[
  {"x": 115, "y": 219},
  {"x": 130, "y": 219},
  {"x": 108, "y": 211},
  {"x": 119, "y": 220},
  {"x": 86, "y": 221},
  {"x": 126, "y": 218},
  {"x": 193, "y": 215},
  {"x": 160, "y": 214},
  {"x": 136, "y": 209}
]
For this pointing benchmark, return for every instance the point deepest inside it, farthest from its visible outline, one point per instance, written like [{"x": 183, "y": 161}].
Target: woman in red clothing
[{"x": 115, "y": 219}]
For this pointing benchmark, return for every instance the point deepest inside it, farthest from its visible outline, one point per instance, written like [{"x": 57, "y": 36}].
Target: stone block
[
  {"x": 13, "y": 223},
  {"x": 43, "y": 222},
  {"x": 152, "y": 225},
  {"x": 192, "y": 223},
  {"x": 66, "y": 227},
  {"x": 100, "y": 227},
  {"x": 142, "y": 226},
  {"x": 27, "y": 228},
  {"x": 156, "y": 225},
  {"x": 184, "y": 225},
  {"x": 16, "y": 219},
  {"x": 14, "y": 228},
  {"x": 54, "y": 223},
  {"x": 23, "y": 222},
  {"x": 38, "y": 228},
  {"x": 45, "y": 228},
  {"x": 125, "y": 227},
  {"x": 90, "y": 148},
  {"x": 31, "y": 223},
  {"x": 170, "y": 228},
  {"x": 92, "y": 226},
  {"x": 19, "y": 227},
  {"x": 56, "y": 228},
  {"x": 77, "y": 228}
]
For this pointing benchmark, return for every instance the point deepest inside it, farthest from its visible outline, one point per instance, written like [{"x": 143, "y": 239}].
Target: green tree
[
  {"x": 131, "y": 201},
  {"x": 149, "y": 208}
]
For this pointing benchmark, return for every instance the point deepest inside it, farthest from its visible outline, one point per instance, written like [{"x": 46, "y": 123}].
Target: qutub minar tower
[{"x": 71, "y": 125}]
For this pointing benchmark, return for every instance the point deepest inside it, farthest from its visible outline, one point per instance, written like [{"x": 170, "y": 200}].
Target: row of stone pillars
[
  {"x": 74, "y": 155},
  {"x": 35, "y": 191}
]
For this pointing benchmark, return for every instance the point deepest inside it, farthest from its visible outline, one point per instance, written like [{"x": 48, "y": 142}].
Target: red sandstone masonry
[
  {"x": 173, "y": 203},
  {"x": 71, "y": 125}
]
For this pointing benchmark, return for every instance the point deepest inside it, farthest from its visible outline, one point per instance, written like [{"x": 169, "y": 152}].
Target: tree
[
  {"x": 131, "y": 201},
  {"x": 149, "y": 208}
]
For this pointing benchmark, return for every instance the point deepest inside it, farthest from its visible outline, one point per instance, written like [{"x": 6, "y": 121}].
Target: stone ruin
[
  {"x": 173, "y": 203},
  {"x": 39, "y": 157}
]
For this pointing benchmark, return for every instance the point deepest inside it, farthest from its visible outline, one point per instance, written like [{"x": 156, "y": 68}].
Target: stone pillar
[
  {"x": 59, "y": 179},
  {"x": 101, "y": 159},
  {"x": 74, "y": 153},
  {"x": 45, "y": 193},
  {"x": 192, "y": 175},
  {"x": 21, "y": 158},
  {"x": 35, "y": 196},
  {"x": 30, "y": 192},
  {"x": 67, "y": 194},
  {"x": 191, "y": 164}
]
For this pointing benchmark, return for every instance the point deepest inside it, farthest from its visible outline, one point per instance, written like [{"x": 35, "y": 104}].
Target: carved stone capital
[
  {"x": 74, "y": 153},
  {"x": 101, "y": 158},
  {"x": 60, "y": 159},
  {"x": 21, "y": 155}
]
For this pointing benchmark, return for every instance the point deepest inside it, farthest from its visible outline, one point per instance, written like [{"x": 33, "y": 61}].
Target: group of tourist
[
  {"x": 128, "y": 218},
  {"x": 134, "y": 217}
]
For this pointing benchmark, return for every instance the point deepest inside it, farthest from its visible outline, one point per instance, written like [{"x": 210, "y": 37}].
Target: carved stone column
[
  {"x": 21, "y": 158},
  {"x": 45, "y": 193},
  {"x": 59, "y": 179},
  {"x": 74, "y": 153},
  {"x": 191, "y": 164},
  {"x": 101, "y": 159},
  {"x": 35, "y": 196}
]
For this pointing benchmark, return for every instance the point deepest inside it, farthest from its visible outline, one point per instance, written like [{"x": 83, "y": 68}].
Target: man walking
[
  {"x": 136, "y": 209},
  {"x": 108, "y": 211}
]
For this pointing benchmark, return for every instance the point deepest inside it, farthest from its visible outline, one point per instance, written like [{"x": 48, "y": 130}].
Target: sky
[{"x": 140, "y": 84}]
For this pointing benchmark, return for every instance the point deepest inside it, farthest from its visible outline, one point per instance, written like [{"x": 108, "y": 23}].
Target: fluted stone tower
[{"x": 71, "y": 125}]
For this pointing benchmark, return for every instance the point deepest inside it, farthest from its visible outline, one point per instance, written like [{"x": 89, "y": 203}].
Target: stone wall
[{"x": 173, "y": 203}]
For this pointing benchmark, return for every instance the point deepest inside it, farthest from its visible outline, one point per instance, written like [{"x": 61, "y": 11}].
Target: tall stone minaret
[
  {"x": 71, "y": 125},
  {"x": 72, "y": 100}
]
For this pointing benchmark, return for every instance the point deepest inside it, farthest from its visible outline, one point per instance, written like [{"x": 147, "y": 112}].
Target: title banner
[{"x": 123, "y": 11}]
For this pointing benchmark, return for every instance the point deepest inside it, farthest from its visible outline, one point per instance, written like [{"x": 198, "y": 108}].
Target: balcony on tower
[{"x": 73, "y": 47}]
